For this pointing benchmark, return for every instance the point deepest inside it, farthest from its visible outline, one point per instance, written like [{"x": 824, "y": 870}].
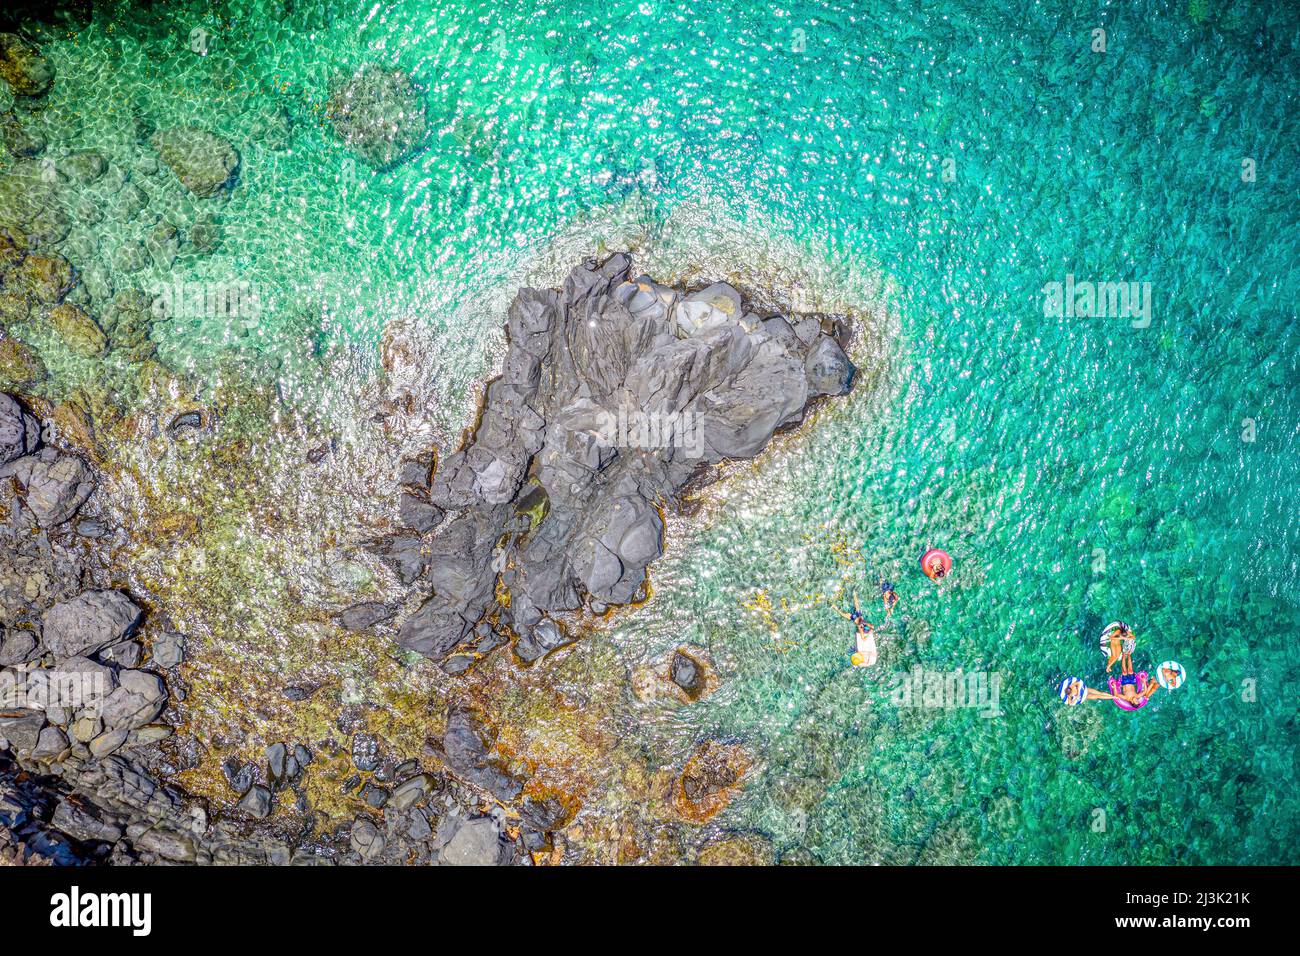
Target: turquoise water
[{"x": 935, "y": 169}]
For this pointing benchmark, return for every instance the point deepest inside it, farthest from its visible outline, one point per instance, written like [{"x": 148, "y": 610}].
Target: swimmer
[
  {"x": 1122, "y": 642},
  {"x": 865, "y": 652},
  {"x": 855, "y": 616},
  {"x": 890, "y": 598}
]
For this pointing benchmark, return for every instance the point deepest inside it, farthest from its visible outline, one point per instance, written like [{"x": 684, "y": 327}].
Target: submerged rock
[
  {"x": 709, "y": 780},
  {"x": 614, "y": 394},
  {"x": 379, "y": 114},
  {"x": 202, "y": 161},
  {"x": 23, "y": 68}
]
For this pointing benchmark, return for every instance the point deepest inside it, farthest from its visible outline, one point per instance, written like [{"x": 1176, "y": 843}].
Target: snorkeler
[
  {"x": 1119, "y": 641},
  {"x": 889, "y": 597}
]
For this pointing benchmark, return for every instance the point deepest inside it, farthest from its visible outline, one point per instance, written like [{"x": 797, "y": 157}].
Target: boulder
[
  {"x": 474, "y": 842},
  {"x": 708, "y": 309},
  {"x": 202, "y": 161},
  {"x": 90, "y": 621}
]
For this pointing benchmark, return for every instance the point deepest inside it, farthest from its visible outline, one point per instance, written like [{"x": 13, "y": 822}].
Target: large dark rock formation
[{"x": 614, "y": 394}]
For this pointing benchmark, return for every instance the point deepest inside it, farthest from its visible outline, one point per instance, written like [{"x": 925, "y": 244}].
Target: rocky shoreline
[{"x": 616, "y": 394}]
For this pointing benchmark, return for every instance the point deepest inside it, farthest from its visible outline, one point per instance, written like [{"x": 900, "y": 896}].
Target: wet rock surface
[{"x": 615, "y": 393}]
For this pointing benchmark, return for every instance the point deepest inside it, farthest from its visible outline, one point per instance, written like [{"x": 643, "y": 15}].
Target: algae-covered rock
[
  {"x": 20, "y": 366},
  {"x": 202, "y": 161},
  {"x": 709, "y": 780},
  {"x": 739, "y": 849},
  {"x": 44, "y": 278},
  {"x": 23, "y": 67},
  {"x": 78, "y": 330}
]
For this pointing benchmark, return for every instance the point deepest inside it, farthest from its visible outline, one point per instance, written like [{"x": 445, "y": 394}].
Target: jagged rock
[
  {"x": 614, "y": 393},
  {"x": 88, "y": 622},
  {"x": 417, "y": 514},
  {"x": 277, "y": 756},
  {"x": 257, "y": 802},
  {"x": 202, "y": 161},
  {"x": 17, "y": 647},
  {"x": 23, "y": 68},
  {"x": 379, "y": 114},
  {"x": 80, "y": 822},
  {"x": 468, "y": 754},
  {"x": 540, "y": 641},
  {"x": 239, "y": 775},
  {"x": 54, "y": 485},
  {"x": 20, "y": 432}
]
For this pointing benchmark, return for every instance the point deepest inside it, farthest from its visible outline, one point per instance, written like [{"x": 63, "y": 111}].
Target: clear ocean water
[{"x": 929, "y": 168}]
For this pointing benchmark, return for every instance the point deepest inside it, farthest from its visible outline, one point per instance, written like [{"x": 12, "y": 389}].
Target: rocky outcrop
[
  {"x": 202, "y": 161},
  {"x": 615, "y": 392},
  {"x": 379, "y": 114}
]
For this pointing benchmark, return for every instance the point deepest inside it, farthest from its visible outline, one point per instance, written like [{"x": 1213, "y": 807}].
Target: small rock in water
[
  {"x": 169, "y": 649},
  {"x": 239, "y": 775},
  {"x": 686, "y": 673},
  {"x": 360, "y": 617},
  {"x": 365, "y": 752},
  {"x": 276, "y": 765},
  {"x": 257, "y": 802}
]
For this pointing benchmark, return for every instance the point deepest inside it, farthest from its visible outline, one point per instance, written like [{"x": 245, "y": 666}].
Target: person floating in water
[
  {"x": 865, "y": 653},
  {"x": 1119, "y": 641},
  {"x": 889, "y": 597}
]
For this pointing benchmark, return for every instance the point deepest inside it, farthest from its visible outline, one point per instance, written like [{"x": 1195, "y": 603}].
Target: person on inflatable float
[{"x": 865, "y": 652}]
